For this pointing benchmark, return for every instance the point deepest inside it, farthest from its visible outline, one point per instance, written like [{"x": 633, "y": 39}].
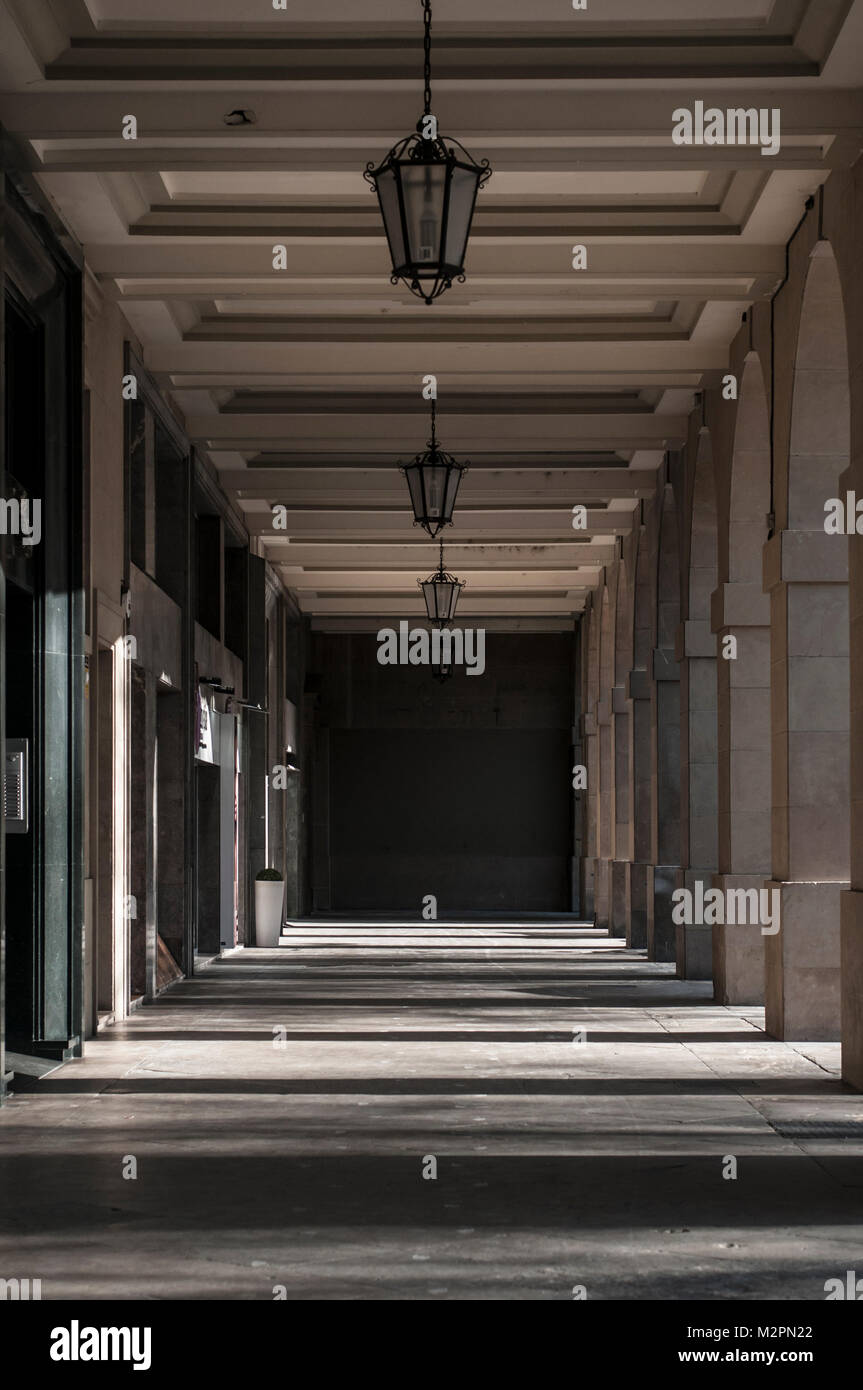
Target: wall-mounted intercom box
[{"x": 16, "y": 777}]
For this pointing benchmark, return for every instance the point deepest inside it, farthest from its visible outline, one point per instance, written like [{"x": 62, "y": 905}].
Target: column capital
[
  {"x": 665, "y": 665},
  {"x": 739, "y": 605},
  {"x": 638, "y": 684},
  {"x": 804, "y": 557},
  {"x": 694, "y": 638},
  {"x": 619, "y": 700}
]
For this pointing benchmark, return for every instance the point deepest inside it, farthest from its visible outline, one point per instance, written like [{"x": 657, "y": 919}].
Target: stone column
[
  {"x": 602, "y": 882},
  {"x": 852, "y": 899},
  {"x": 743, "y": 699},
  {"x": 805, "y": 574},
  {"x": 576, "y": 899},
  {"x": 665, "y": 808},
  {"x": 695, "y": 650},
  {"x": 638, "y": 694},
  {"x": 591, "y": 802},
  {"x": 589, "y": 671},
  {"x": 321, "y": 862},
  {"x": 621, "y": 722}
]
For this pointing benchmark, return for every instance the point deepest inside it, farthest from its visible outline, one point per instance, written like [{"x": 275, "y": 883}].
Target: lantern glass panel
[
  {"x": 423, "y": 189},
  {"x": 428, "y": 587},
  {"x": 387, "y": 185},
  {"x": 436, "y": 490},
  {"x": 449, "y": 601},
  {"x": 414, "y": 477},
  {"x": 441, "y": 597},
  {"x": 463, "y": 190},
  {"x": 452, "y": 483}
]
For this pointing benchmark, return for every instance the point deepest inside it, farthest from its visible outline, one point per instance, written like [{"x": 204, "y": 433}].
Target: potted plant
[{"x": 269, "y": 897}]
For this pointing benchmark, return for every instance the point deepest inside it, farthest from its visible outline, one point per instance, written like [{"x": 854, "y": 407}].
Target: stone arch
[
  {"x": 820, "y": 408},
  {"x": 806, "y": 574},
  {"x": 622, "y": 625},
  {"x": 750, "y": 477},
  {"x": 668, "y": 573},
  {"x": 606, "y": 644},
  {"x": 642, "y": 603},
  {"x": 704, "y": 533}
]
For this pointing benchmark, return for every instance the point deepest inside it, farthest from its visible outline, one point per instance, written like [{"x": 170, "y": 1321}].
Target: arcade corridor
[{"x": 431, "y": 691}]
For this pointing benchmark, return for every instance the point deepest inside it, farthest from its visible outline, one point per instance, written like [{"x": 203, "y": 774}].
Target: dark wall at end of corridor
[{"x": 462, "y": 790}]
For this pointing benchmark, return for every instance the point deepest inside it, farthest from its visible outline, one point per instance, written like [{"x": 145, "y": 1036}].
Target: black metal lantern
[
  {"x": 433, "y": 481},
  {"x": 441, "y": 593},
  {"x": 442, "y": 670},
  {"x": 427, "y": 187}
]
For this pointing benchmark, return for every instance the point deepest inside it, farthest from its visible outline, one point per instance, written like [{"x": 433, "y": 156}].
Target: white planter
[{"x": 269, "y": 897}]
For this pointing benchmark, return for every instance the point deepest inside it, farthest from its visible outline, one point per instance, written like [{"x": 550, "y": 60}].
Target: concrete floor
[{"x": 297, "y": 1159}]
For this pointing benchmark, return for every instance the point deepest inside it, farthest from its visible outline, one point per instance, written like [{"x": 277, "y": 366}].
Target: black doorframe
[
  {"x": 42, "y": 269},
  {"x": 149, "y": 396}
]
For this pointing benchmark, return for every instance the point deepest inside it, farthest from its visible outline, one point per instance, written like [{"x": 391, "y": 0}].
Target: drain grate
[{"x": 820, "y": 1129}]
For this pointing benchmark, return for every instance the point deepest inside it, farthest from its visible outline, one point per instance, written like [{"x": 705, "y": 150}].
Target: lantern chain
[{"x": 427, "y": 51}]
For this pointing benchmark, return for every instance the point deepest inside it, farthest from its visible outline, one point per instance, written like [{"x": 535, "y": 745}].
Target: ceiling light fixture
[
  {"x": 427, "y": 188},
  {"x": 442, "y": 670},
  {"x": 433, "y": 481},
  {"x": 441, "y": 593}
]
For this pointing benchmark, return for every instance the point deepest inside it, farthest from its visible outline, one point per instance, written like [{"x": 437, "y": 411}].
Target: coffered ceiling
[{"x": 303, "y": 386}]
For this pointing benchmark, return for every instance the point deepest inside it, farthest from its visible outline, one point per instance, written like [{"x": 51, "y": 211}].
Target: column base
[
  {"x": 738, "y": 951},
  {"x": 852, "y": 987},
  {"x": 619, "y": 871},
  {"x": 636, "y": 906},
  {"x": 602, "y": 892},
  {"x": 693, "y": 946},
  {"x": 588, "y": 873},
  {"x": 661, "y": 882},
  {"x": 803, "y": 991}
]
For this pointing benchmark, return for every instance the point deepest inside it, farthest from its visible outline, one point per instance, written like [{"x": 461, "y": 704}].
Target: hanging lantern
[
  {"x": 441, "y": 593},
  {"x": 442, "y": 670},
  {"x": 427, "y": 187},
  {"x": 433, "y": 481}
]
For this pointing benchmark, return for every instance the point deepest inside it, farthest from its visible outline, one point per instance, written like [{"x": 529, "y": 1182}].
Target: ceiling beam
[
  {"x": 486, "y": 526},
  {"x": 372, "y": 623},
  {"x": 416, "y": 550},
  {"x": 412, "y": 607},
  {"x": 495, "y": 582},
  {"x": 244, "y": 263},
  {"x": 375, "y": 115},
  {"x": 570, "y": 432},
  {"x": 373, "y": 479}
]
